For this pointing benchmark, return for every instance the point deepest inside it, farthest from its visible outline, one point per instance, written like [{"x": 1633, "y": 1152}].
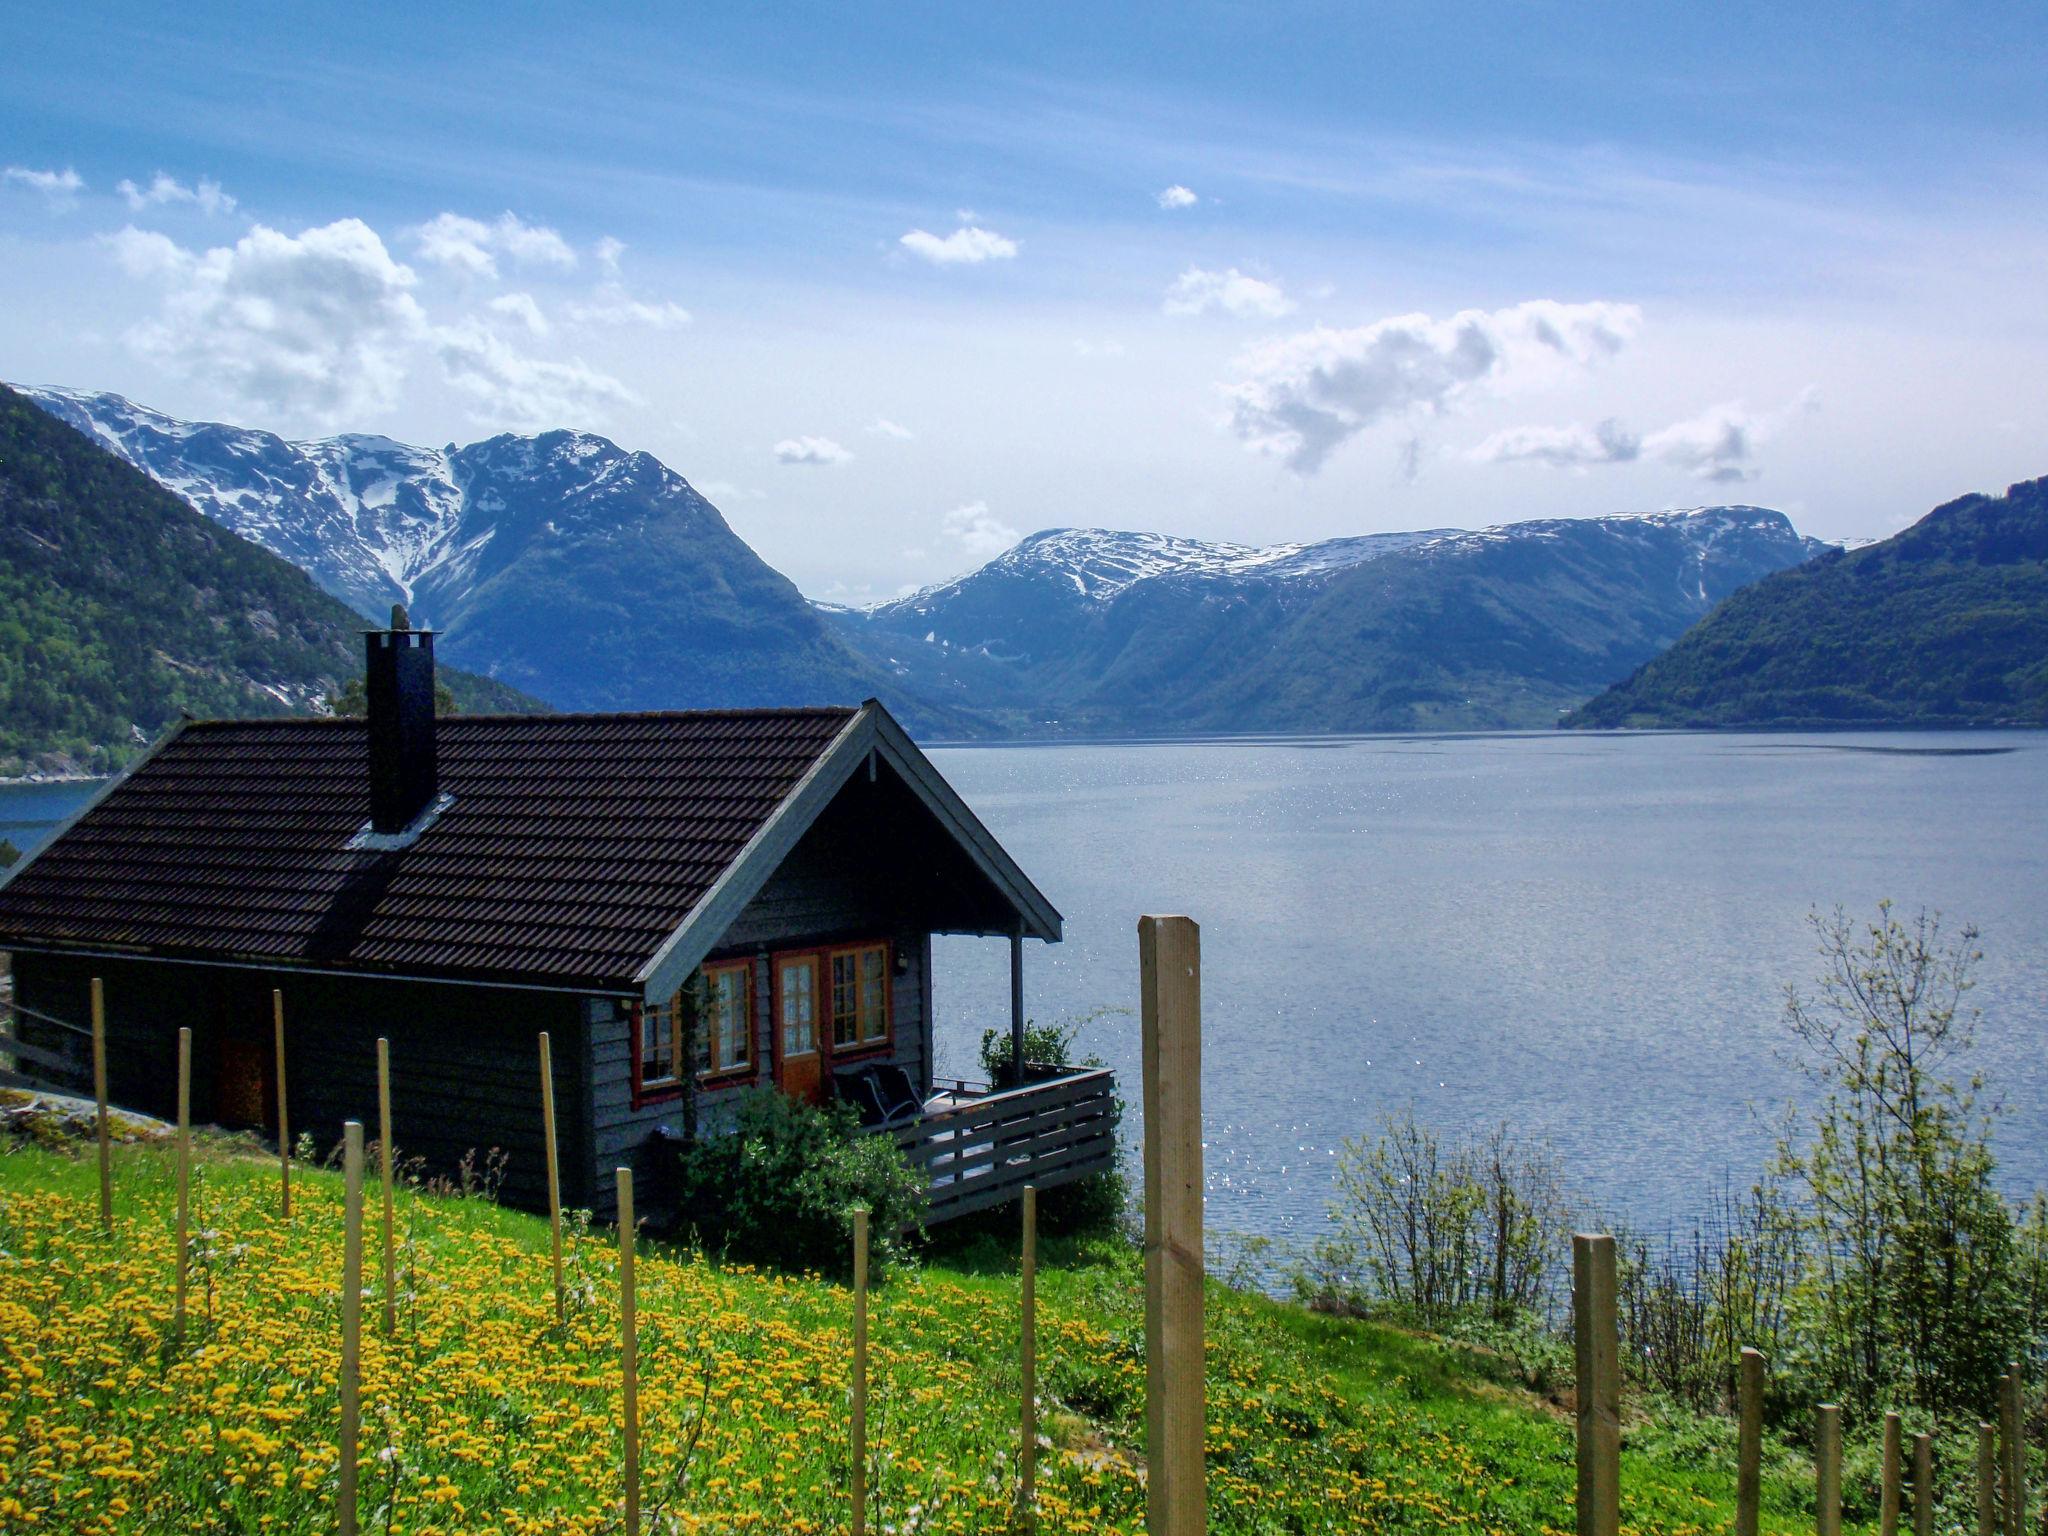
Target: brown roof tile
[{"x": 574, "y": 846}]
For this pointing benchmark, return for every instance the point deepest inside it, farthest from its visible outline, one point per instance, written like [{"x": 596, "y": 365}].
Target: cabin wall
[
  {"x": 465, "y": 1061},
  {"x": 818, "y": 897}
]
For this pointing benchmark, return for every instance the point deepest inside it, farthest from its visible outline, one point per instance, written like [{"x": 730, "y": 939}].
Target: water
[{"x": 1586, "y": 937}]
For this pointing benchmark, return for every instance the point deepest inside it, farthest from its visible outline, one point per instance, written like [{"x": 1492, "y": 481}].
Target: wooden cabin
[{"x": 765, "y": 883}]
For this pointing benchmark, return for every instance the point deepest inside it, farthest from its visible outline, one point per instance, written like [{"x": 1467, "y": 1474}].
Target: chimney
[{"x": 399, "y": 687}]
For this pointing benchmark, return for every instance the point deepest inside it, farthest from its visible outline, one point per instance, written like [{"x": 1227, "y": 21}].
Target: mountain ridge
[{"x": 1943, "y": 624}]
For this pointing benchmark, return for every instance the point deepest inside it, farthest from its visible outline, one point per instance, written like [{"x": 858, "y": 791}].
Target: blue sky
[{"x": 896, "y": 283}]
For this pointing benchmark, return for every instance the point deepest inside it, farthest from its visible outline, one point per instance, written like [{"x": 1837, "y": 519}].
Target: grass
[{"x": 480, "y": 1414}]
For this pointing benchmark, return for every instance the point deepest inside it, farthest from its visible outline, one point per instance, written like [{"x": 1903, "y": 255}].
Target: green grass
[{"x": 481, "y": 1414}]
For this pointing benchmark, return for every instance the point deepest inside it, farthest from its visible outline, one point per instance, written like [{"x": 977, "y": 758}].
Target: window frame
[
  {"x": 718, "y": 1075},
  {"x": 866, "y": 1045},
  {"x": 655, "y": 1090}
]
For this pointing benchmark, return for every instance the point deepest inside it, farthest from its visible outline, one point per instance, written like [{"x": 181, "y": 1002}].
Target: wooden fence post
[
  {"x": 1987, "y": 1480},
  {"x": 1749, "y": 1444},
  {"x": 284, "y": 1119},
  {"x": 99, "y": 1093},
  {"x": 1888, "y": 1497},
  {"x": 1923, "y": 1485},
  {"x": 1027, "y": 1440},
  {"x": 1596, "y": 1339},
  {"x": 547, "y": 1120},
  {"x": 2016, "y": 1455},
  {"x": 1827, "y": 1469},
  {"x": 860, "y": 1371},
  {"x": 1170, "y": 984},
  {"x": 184, "y": 1174},
  {"x": 351, "y": 1316},
  {"x": 629, "y": 1351},
  {"x": 384, "y": 1176}
]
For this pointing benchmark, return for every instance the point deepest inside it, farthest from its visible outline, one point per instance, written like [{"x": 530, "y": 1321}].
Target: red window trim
[
  {"x": 823, "y": 953},
  {"x": 732, "y": 1077}
]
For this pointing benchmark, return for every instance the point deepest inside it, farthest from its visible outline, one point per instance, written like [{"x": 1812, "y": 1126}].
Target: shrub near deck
[{"x": 480, "y": 1416}]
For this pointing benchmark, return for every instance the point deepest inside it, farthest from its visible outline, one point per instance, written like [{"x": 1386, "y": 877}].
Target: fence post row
[
  {"x": 1827, "y": 1469},
  {"x": 1888, "y": 1499},
  {"x": 1170, "y": 981},
  {"x": 547, "y": 1121},
  {"x": 99, "y": 1094},
  {"x": 1749, "y": 1444},
  {"x": 384, "y": 1177},
  {"x": 351, "y": 1316},
  {"x": 860, "y": 1371},
  {"x": 629, "y": 1352},
  {"x": 284, "y": 1119},
  {"x": 1596, "y": 1338},
  {"x": 184, "y": 1173},
  {"x": 1027, "y": 1352}
]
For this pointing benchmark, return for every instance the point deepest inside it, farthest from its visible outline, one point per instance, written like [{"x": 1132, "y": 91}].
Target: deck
[{"x": 979, "y": 1146}]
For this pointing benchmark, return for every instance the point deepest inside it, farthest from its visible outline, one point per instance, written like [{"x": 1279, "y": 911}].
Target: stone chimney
[{"x": 399, "y": 686}]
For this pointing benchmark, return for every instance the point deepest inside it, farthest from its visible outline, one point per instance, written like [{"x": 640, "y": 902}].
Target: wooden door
[{"x": 799, "y": 1069}]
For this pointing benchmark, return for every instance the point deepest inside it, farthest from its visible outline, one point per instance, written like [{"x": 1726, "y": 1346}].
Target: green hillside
[
  {"x": 121, "y": 608},
  {"x": 481, "y": 1413},
  {"x": 1945, "y": 624}
]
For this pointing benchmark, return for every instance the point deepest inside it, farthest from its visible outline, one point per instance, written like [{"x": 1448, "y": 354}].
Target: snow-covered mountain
[
  {"x": 1092, "y": 629},
  {"x": 582, "y": 573}
]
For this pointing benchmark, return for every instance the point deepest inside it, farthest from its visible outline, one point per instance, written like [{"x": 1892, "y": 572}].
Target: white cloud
[
  {"x": 1305, "y": 396},
  {"x": 1718, "y": 445},
  {"x": 1177, "y": 196},
  {"x": 978, "y": 531},
  {"x": 968, "y": 245},
  {"x": 524, "y": 308},
  {"x": 810, "y": 450},
  {"x": 612, "y": 305},
  {"x": 207, "y": 197},
  {"x": 472, "y": 246},
  {"x": 1083, "y": 347},
  {"x": 61, "y": 188},
  {"x": 316, "y": 324},
  {"x": 511, "y": 388},
  {"x": 882, "y": 426},
  {"x": 608, "y": 251},
  {"x": 1237, "y": 293},
  {"x": 728, "y": 490},
  {"x": 1572, "y": 447}
]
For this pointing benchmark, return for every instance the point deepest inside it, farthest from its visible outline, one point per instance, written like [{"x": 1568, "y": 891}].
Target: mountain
[
  {"x": 1943, "y": 624},
  {"x": 1089, "y": 631},
  {"x": 120, "y": 608},
  {"x": 559, "y": 563}
]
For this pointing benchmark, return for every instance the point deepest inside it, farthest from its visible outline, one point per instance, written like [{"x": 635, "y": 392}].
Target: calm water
[{"x": 1585, "y": 936}]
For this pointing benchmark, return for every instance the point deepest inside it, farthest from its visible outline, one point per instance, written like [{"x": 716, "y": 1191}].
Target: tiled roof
[{"x": 574, "y": 845}]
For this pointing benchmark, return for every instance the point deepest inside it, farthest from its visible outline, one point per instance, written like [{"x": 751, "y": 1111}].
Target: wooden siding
[
  {"x": 465, "y": 1063},
  {"x": 623, "y": 1135}
]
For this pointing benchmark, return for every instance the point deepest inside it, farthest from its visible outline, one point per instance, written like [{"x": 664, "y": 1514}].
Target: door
[{"x": 798, "y": 1067}]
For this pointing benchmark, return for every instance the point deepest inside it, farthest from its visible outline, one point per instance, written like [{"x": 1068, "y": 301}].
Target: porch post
[{"x": 1017, "y": 1004}]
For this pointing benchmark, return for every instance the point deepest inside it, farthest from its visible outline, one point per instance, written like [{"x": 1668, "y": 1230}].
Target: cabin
[{"x": 692, "y": 905}]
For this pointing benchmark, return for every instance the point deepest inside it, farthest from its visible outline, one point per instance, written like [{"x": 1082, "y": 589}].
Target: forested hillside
[
  {"x": 1943, "y": 624},
  {"x": 121, "y": 608}
]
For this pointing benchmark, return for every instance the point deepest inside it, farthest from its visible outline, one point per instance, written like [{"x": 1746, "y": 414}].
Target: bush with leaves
[{"x": 780, "y": 1188}]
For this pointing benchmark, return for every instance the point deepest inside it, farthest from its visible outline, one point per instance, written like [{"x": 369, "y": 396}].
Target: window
[
  {"x": 860, "y": 996},
  {"x": 725, "y": 1042},
  {"x": 797, "y": 983},
  {"x": 659, "y": 1063}
]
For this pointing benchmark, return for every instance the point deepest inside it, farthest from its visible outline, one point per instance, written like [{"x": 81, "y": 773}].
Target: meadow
[{"x": 482, "y": 1414}]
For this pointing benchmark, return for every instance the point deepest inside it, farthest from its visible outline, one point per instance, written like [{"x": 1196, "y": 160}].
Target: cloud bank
[
  {"x": 472, "y": 246},
  {"x": 1719, "y": 445},
  {"x": 1197, "y": 292},
  {"x": 970, "y": 245},
  {"x": 163, "y": 190},
  {"x": 810, "y": 450},
  {"x": 1305, "y": 396}
]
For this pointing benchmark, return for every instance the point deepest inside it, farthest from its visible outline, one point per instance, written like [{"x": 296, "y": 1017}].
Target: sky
[{"x": 895, "y": 285}]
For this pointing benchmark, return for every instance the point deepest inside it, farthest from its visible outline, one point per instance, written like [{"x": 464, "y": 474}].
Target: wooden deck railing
[
  {"x": 982, "y": 1151},
  {"x": 57, "y": 1056}
]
